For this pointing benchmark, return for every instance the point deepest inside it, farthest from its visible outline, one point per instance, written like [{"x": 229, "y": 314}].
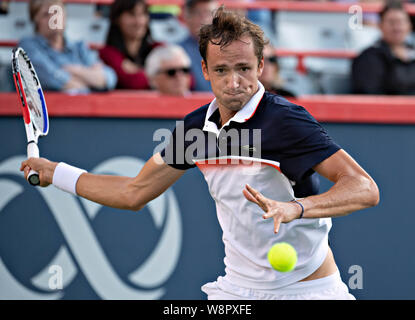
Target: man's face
[
  {"x": 173, "y": 77},
  {"x": 395, "y": 27},
  {"x": 199, "y": 15},
  {"x": 233, "y": 72}
]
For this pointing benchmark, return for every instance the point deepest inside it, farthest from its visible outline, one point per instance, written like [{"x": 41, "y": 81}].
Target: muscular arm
[
  {"x": 353, "y": 190},
  {"x": 116, "y": 191}
]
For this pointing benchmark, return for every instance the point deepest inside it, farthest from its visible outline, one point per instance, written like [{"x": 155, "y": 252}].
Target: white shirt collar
[{"x": 247, "y": 111}]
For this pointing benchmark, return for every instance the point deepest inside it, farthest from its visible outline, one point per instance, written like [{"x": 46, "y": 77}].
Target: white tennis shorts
[{"x": 327, "y": 288}]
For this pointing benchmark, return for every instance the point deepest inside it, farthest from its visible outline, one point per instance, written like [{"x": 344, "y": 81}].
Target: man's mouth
[{"x": 233, "y": 93}]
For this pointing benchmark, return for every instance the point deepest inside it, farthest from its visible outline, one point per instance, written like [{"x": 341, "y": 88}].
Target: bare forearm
[
  {"x": 348, "y": 194},
  {"x": 112, "y": 191},
  {"x": 94, "y": 77},
  {"x": 353, "y": 190},
  {"x": 129, "y": 193},
  {"x": 91, "y": 76},
  {"x": 75, "y": 84}
]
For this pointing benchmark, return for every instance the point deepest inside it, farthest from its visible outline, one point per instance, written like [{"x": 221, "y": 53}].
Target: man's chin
[{"x": 234, "y": 105}]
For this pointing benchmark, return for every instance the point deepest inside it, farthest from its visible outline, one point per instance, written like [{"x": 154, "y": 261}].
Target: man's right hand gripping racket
[{"x": 35, "y": 113}]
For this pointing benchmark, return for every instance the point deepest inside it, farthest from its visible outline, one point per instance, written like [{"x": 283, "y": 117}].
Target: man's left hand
[{"x": 281, "y": 212}]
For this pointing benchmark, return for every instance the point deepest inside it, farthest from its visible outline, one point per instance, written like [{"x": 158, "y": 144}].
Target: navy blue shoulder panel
[
  {"x": 174, "y": 153},
  {"x": 196, "y": 118},
  {"x": 291, "y": 136}
]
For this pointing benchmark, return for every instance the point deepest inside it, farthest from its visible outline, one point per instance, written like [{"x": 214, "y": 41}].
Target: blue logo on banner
[{"x": 117, "y": 255}]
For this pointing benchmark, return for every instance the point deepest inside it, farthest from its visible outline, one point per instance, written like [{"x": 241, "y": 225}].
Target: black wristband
[{"x": 302, "y": 207}]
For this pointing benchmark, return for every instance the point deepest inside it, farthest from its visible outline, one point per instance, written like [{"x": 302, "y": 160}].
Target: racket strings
[{"x": 32, "y": 96}]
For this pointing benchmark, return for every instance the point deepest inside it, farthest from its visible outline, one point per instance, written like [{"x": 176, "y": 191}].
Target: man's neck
[{"x": 225, "y": 115}]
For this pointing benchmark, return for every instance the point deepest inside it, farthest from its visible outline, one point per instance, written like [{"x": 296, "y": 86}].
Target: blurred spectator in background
[
  {"x": 168, "y": 70},
  {"x": 371, "y": 18},
  {"x": 4, "y": 7},
  {"x": 270, "y": 77},
  {"x": 128, "y": 43},
  {"x": 62, "y": 65},
  {"x": 196, "y": 14},
  {"x": 388, "y": 67}
]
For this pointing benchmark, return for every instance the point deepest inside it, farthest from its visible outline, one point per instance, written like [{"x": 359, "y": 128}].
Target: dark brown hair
[
  {"x": 114, "y": 36},
  {"x": 190, "y": 4},
  {"x": 391, "y": 5},
  {"x": 228, "y": 26}
]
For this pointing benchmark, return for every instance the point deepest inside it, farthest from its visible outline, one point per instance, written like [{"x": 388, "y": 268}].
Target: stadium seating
[
  {"x": 168, "y": 29},
  {"x": 299, "y": 26},
  {"x": 359, "y": 40},
  {"x": 13, "y": 26},
  {"x": 311, "y": 31},
  {"x": 91, "y": 30}
]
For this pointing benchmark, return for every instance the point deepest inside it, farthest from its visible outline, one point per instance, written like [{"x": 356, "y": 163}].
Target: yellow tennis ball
[{"x": 282, "y": 257}]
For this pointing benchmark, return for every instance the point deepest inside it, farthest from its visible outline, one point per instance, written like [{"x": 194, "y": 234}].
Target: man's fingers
[
  {"x": 260, "y": 199},
  {"x": 28, "y": 165},
  {"x": 277, "y": 223},
  {"x": 251, "y": 190},
  {"x": 26, "y": 172},
  {"x": 23, "y": 165},
  {"x": 249, "y": 196}
]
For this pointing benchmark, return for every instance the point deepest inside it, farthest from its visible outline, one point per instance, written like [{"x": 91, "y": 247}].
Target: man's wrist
[
  {"x": 65, "y": 177},
  {"x": 301, "y": 206}
]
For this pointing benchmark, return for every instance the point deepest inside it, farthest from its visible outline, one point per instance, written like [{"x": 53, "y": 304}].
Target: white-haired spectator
[{"x": 168, "y": 70}]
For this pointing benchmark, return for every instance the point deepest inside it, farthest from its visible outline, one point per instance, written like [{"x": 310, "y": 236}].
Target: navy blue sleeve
[
  {"x": 174, "y": 153},
  {"x": 305, "y": 144},
  {"x": 308, "y": 187}
]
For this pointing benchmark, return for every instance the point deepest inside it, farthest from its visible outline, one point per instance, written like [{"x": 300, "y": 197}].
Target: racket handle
[{"x": 33, "y": 152}]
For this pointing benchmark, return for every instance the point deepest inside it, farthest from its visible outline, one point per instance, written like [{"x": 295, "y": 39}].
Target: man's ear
[
  {"x": 205, "y": 71},
  {"x": 261, "y": 67}
]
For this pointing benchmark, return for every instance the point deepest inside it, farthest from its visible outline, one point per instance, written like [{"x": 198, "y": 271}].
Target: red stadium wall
[{"x": 132, "y": 104}]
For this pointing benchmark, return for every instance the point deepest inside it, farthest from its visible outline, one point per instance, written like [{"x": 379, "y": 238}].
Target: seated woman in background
[
  {"x": 128, "y": 43},
  {"x": 387, "y": 67},
  {"x": 63, "y": 65}
]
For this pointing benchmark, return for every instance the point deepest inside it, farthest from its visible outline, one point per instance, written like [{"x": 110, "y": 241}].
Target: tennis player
[{"x": 255, "y": 202}]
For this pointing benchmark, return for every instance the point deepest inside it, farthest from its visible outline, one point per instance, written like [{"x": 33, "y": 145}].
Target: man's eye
[
  {"x": 220, "y": 70},
  {"x": 244, "y": 69}
]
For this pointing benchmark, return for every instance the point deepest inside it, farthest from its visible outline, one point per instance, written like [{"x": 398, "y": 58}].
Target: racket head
[{"x": 30, "y": 92}]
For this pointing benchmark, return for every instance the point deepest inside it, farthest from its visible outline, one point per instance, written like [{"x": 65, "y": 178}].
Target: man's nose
[{"x": 233, "y": 80}]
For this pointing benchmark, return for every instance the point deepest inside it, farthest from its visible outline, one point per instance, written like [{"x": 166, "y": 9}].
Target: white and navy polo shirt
[{"x": 291, "y": 142}]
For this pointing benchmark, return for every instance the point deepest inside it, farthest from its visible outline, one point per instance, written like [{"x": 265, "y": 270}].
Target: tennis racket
[{"x": 35, "y": 113}]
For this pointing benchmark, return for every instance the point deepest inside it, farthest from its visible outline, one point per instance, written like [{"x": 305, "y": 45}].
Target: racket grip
[{"x": 33, "y": 152}]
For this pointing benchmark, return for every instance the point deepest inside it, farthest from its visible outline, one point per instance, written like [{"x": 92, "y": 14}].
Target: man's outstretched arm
[
  {"x": 353, "y": 190},
  {"x": 115, "y": 191}
]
